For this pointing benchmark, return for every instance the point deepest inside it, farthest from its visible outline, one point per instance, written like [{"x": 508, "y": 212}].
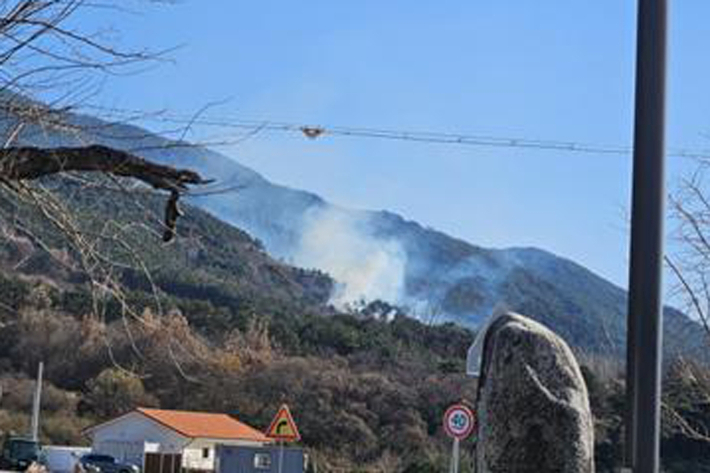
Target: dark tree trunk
[{"x": 26, "y": 163}]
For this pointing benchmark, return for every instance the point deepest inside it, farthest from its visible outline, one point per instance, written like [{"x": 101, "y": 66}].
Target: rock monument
[{"x": 533, "y": 407}]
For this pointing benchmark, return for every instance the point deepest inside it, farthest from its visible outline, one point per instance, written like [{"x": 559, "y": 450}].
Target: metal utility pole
[
  {"x": 645, "y": 317},
  {"x": 36, "y": 403}
]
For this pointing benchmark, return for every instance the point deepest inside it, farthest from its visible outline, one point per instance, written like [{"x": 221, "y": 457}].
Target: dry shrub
[
  {"x": 252, "y": 347},
  {"x": 14, "y": 422}
]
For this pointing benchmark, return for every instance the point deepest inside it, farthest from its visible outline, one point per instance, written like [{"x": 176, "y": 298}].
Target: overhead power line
[{"x": 312, "y": 131}]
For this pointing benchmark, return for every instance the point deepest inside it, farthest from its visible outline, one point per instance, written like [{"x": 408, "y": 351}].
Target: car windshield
[{"x": 24, "y": 450}]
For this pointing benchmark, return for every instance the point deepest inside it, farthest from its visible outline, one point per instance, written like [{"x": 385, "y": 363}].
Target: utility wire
[{"x": 318, "y": 131}]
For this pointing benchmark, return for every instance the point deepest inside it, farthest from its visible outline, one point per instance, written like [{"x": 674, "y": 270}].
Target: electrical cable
[{"x": 318, "y": 131}]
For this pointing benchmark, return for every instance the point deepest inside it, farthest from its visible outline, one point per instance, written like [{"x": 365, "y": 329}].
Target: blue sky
[{"x": 557, "y": 70}]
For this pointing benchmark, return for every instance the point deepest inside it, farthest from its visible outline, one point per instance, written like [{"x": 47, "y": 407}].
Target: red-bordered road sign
[
  {"x": 283, "y": 427},
  {"x": 459, "y": 421}
]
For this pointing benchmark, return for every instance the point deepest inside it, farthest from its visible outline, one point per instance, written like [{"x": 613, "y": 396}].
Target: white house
[{"x": 166, "y": 441}]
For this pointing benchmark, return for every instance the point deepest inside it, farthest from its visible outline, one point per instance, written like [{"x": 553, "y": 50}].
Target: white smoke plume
[{"x": 364, "y": 266}]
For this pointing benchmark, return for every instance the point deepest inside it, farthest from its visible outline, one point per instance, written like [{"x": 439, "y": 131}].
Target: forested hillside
[{"x": 211, "y": 322}]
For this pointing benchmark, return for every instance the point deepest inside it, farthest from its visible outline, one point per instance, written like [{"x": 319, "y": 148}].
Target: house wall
[
  {"x": 194, "y": 459},
  {"x": 125, "y": 438}
]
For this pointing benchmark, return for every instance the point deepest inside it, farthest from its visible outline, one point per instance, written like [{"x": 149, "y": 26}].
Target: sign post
[
  {"x": 459, "y": 422},
  {"x": 454, "y": 466},
  {"x": 281, "y": 456},
  {"x": 283, "y": 429}
]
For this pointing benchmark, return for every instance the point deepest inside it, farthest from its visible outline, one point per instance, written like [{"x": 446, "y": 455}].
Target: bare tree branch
[
  {"x": 32, "y": 163},
  {"x": 49, "y": 64},
  {"x": 26, "y": 163},
  {"x": 690, "y": 292}
]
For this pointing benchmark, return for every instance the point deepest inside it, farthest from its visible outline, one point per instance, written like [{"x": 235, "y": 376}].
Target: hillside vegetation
[
  {"x": 218, "y": 325},
  {"x": 211, "y": 322}
]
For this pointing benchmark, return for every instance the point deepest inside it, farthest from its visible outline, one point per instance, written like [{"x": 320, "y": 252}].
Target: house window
[
  {"x": 205, "y": 453},
  {"x": 262, "y": 461}
]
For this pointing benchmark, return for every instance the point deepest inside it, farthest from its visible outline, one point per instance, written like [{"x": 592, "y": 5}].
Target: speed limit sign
[{"x": 459, "y": 421}]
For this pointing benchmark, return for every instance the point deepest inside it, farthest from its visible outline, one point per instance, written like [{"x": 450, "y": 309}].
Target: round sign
[{"x": 459, "y": 421}]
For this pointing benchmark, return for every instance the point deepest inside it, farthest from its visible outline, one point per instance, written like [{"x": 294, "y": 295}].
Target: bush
[{"x": 114, "y": 392}]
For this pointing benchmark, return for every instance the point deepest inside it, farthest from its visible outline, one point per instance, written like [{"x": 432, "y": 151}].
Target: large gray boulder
[{"x": 533, "y": 407}]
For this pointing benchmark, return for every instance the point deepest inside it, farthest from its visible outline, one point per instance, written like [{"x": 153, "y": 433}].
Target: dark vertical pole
[{"x": 645, "y": 317}]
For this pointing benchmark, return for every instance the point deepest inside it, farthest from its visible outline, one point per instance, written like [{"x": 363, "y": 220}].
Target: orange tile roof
[{"x": 204, "y": 425}]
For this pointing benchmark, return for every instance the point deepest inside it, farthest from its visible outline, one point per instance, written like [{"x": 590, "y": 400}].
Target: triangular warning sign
[{"x": 283, "y": 427}]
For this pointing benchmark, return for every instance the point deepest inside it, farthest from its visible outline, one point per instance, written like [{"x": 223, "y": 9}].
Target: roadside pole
[
  {"x": 281, "y": 457},
  {"x": 36, "y": 403},
  {"x": 454, "y": 468},
  {"x": 645, "y": 317}
]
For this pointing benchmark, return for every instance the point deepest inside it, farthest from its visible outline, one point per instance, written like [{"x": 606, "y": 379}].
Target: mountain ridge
[{"x": 381, "y": 255}]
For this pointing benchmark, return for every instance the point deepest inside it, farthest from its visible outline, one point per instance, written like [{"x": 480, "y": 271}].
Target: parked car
[
  {"x": 18, "y": 453},
  {"x": 96, "y": 462}
]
